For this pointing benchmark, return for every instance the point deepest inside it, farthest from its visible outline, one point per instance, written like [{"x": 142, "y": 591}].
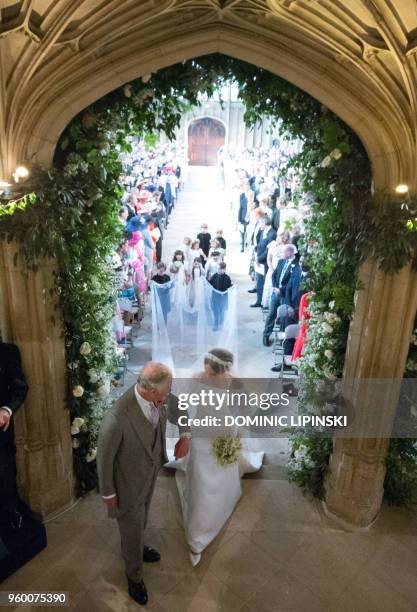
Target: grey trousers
[{"x": 132, "y": 530}]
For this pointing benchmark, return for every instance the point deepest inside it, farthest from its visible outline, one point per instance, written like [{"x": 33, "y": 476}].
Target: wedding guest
[
  {"x": 280, "y": 279},
  {"x": 13, "y": 391},
  {"x": 131, "y": 450},
  {"x": 266, "y": 235}
]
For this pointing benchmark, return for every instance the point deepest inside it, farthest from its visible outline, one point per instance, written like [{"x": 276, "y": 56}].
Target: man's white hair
[{"x": 154, "y": 375}]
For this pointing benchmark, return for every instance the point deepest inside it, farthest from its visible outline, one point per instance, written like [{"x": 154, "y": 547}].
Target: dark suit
[
  {"x": 242, "y": 218},
  {"x": 261, "y": 257},
  {"x": 280, "y": 281},
  {"x": 13, "y": 390}
]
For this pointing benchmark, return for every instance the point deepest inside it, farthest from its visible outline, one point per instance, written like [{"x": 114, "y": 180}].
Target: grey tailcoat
[{"x": 125, "y": 462}]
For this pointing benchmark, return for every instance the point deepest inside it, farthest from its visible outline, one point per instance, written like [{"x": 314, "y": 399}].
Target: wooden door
[{"x": 205, "y": 137}]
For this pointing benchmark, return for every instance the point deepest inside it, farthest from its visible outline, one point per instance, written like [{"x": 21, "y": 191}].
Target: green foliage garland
[{"x": 69, "y": 213}]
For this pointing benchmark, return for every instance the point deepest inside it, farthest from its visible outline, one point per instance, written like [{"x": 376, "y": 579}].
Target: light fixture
[
  {"x": 20, "y": 173},
  {"x": 401, "y": 188}
]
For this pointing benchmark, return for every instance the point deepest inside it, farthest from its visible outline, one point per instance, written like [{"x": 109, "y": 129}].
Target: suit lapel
[{"x": 138, "y": 420}]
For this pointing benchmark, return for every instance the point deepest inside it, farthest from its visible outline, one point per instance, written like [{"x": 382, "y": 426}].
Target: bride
[{"x": 208, "y": 490}]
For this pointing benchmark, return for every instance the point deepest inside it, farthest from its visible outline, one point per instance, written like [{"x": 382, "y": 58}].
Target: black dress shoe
[
  {"x": 266, "y": 341},
  {"x": 252, "y": 290},
  {"x": 150, "y": 555},
  {"x": 256, "y": 305},
  {"x": 138, "y": 592}
]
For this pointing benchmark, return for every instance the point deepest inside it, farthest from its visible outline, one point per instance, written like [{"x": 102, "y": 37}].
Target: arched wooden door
[{"x": 205, "y": 137}]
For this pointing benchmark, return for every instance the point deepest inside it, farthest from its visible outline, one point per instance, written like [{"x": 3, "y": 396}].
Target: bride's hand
[{"x": 181, "y": 448}]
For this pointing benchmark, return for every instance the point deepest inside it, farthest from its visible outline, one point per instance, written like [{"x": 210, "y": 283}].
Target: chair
[{"x": 291, "y": 333}]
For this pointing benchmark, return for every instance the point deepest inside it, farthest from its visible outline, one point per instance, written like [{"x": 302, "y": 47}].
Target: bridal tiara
[{"x": 216, "y": 359}]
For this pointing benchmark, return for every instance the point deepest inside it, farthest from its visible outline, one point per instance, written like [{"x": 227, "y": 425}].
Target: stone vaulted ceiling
[{"x": 357, "y": 56}]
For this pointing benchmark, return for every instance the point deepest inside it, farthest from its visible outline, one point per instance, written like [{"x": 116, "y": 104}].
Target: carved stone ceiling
[{"x": 56, "y": 55}]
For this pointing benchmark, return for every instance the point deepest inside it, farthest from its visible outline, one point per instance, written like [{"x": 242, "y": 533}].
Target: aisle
[{"x": 201, "y": 201}]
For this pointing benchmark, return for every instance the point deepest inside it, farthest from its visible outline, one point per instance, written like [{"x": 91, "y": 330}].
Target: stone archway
[
  {"x": 205, "y": 138},
  {"x": 360, "y": 64}
]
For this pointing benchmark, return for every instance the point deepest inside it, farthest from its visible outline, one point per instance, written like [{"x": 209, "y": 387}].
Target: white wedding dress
[{"x": 208, "y": 491}]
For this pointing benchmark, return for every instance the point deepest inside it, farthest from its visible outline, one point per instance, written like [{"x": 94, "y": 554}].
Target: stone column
[
  {"x": 44, "y": 454},
  {"x": 377, "y": 349}
]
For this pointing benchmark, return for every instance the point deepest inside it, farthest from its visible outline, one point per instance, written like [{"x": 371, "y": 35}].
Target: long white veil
[{"x": 188, "y": 320}]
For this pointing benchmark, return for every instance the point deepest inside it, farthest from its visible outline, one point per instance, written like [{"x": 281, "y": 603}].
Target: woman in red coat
[{"x": 303, "y": 317}]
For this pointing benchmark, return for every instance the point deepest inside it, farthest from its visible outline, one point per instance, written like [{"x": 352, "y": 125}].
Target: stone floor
[{"x": 277, "y": 553}]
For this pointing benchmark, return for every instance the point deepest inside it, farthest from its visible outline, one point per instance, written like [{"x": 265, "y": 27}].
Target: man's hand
[
  {"x": 181, "y": 448},
  {"x": 4, "y": 419},
  {"x": 111, "y": 502}
]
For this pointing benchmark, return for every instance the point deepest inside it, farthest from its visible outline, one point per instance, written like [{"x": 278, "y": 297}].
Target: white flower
[
  {"x": 328, "y": 354},
  {"x": 72, "y": 366},
  {"x": 93, "y": 376},
  {"x": 103, "y": 390},
  {"x": 413, "y": 340},
  {"x": 85, "y": 348},
  {"x": 336, "y": 154},
  {"x": 332, "y": 304},
  {"x": 326, "y": 161},
  {"x": 146, "y": 77},
  {"x": 127, "y": 90},
  {"x": 326, "y": 328},
  {"x": 75, "y": 443},
  {"x": 75, "y": 430},
  {"x": 78, "y": 391},
  {"x": 78, "y": 421},
  {"x": 91, "y": 455}
]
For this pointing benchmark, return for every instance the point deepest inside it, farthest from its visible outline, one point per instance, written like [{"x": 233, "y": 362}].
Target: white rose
[
  {"x": 74, "y": 430},
  {"x": 75, "y": 443},
  {"x": 91, "y": 455},
  {"x": 326, "y": 161},
  {"x": 85, "y": 348},
  {"x": 326, "y": 328},
  {"x": 103, "y": 390},
  {"x": 328, "y": 354},
  {"x": 78, "y": 391},
  {"x": 336, "y": 154},
  {"x": 78, "y": 421},
  {"x": 127, "y": 90},
  {"x": 146, "y": 78},
  {"x": 93, "y": 376},
  {"x": 332, "y": 304}
]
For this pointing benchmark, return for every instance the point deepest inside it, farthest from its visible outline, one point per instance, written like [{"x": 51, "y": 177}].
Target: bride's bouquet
[{"x": 227, "y": 450}]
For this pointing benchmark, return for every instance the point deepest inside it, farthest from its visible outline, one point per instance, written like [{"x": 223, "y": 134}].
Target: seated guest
[{"x": 280, "y": 279}]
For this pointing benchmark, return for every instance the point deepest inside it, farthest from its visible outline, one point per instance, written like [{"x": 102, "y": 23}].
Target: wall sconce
[
  {"x": 21, "y": 173},
  {"x": 401, "y": 189}
]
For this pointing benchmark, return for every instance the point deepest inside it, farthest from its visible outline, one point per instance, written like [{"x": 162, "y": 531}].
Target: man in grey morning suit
[{"x": 131, "y": 450}]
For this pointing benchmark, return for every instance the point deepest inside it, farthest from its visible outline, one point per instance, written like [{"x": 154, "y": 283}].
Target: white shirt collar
[{"x": 147, "y": 407}]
